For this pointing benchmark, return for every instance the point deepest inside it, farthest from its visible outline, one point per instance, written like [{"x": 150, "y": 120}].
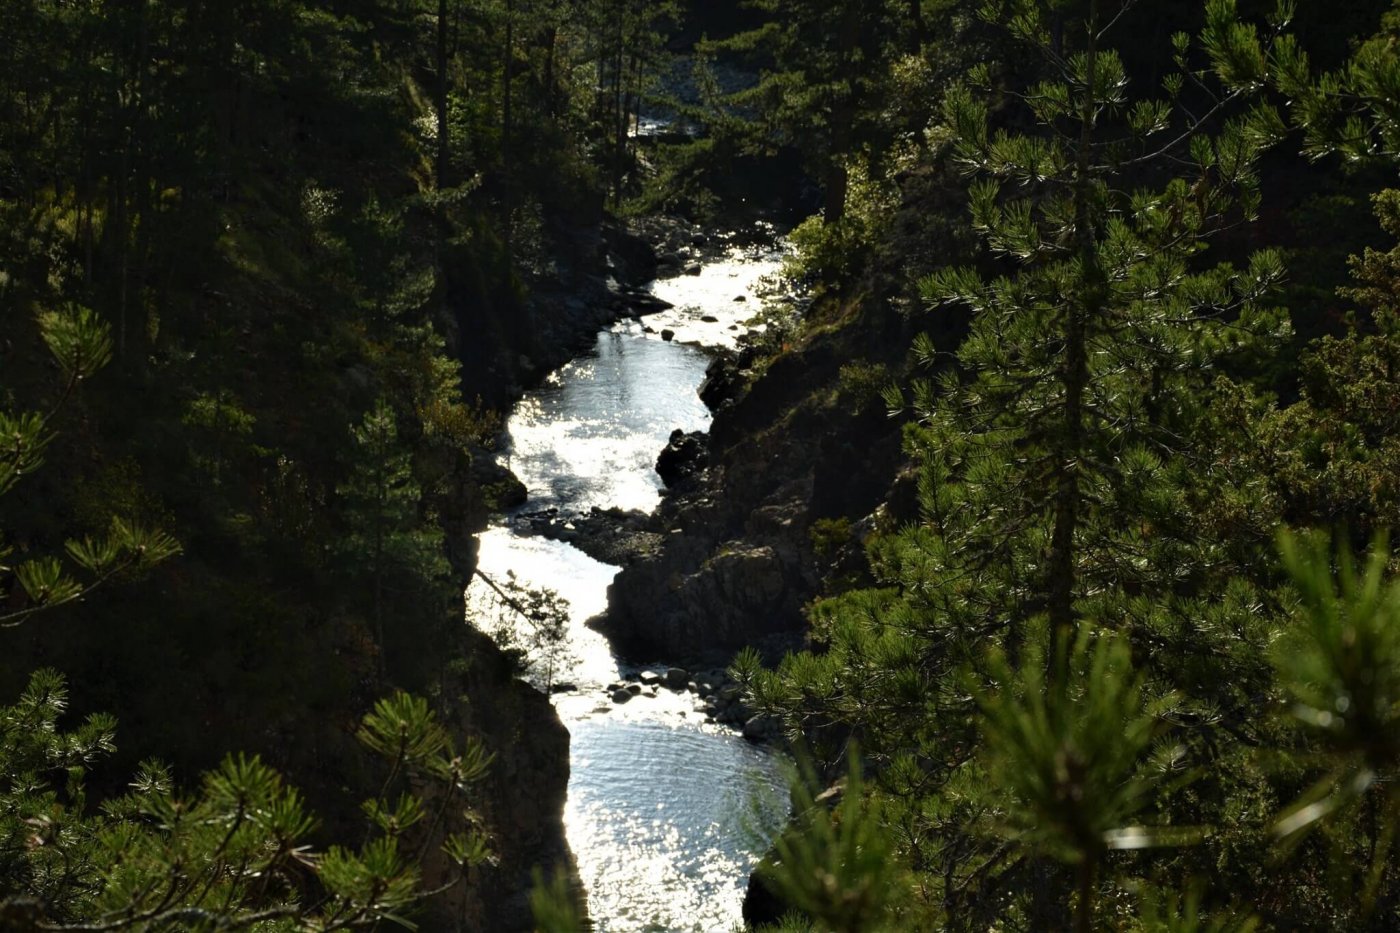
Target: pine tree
[
  {"x": 1064, "y": 452},
  {"x": 821, "y": 92},
  {"x": 388, "y": 546},
  {"x": 80, "y": 344},
  {"x": 237, "y": 854}
]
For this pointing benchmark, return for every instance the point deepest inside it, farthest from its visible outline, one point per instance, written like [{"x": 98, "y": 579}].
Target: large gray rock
[
  {"x": 724, "y": 381},
  {"x": 685, "y": 456},
  {"x": 737, "y": 595},
  {"x": 761, "y": 729},
  {"x": 749, "y": 577},
  {"x": 631, "y": 259}
]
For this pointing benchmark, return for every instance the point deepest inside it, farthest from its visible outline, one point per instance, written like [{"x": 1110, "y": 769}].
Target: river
[{"x": 666, "y": 814}]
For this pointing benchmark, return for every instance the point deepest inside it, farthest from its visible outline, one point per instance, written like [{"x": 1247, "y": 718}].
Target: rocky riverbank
[
  {"x": 583, "y": 440},
  {"x": 761, "y": 511},
  {"x": 599, "y": 275},
  {"x": 764, "y": 510},
  {"x": 717, "y": 698},
  {"x": 601, "y": 279}
]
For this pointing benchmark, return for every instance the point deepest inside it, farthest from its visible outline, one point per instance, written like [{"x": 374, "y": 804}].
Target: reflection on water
[
  {"x": 666, "y": 815},
  {"x": 727, "y": 291},
  {"x": 590, "y": 436},
  {"x": 664, "y": 822},
  {"x": 583, "y": 581}
]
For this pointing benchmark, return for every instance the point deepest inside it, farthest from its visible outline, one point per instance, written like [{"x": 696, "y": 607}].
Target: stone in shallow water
[
  {"x": 761, "y": 729},
  {"x": 621, "y": 696},
  {"x": 677, "y": 678}
]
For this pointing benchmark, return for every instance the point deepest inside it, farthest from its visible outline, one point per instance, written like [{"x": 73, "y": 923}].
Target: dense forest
[{"x": 1077, "y": 456}]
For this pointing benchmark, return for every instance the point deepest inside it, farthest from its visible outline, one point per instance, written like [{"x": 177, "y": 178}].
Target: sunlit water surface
[{"x": 666, "y": 815}]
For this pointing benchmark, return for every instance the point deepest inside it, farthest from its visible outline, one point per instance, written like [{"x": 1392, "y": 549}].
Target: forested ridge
[
  {"x": 243, "y": 244},
  {"x": 1115, "y": 653},
  {"x": 1077, "y": 456}
]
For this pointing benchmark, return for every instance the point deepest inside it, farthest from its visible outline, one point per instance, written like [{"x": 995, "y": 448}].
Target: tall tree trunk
[
  {"x": 837, "y": 180},
  {"x": 632, "y": 100},
  {"x": 441, "y": 102},
  {"x": 86, "y": 175},
  {"x": 121, "y": 198},
  {"x": 918, "y": 28},
  {"x": 507, "y": 128},
  {"x": 619, "y": 137},
  {"x": 1082, "y": 307},
  {"x": 551, "y": 92},
  {"x": 1084, "y": 909},
  {"x": 145, "y": 151}
]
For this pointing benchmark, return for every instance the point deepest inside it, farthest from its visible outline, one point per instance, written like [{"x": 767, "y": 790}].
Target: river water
[{"x": 666, "y": 814}]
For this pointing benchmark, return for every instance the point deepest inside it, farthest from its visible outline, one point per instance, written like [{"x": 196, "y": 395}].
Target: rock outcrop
[
  {"x": 521, "y": 801},
  {"x": 683, "y": 458},
  {"x": 737, "y": 561}
]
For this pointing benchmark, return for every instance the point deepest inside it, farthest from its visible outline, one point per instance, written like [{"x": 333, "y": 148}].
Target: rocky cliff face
[
  {"x": 521, "y": 801},
  {"x": 738, "y": 561}
]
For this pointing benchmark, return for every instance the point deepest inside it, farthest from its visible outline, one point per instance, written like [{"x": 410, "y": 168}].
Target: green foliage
[
  {"x": 1074, "y": 754},
  {"x": 554, "y": 907},
  {"x": 834, "y": 863},
  {"x": 830, "y": 535},
  {"x": 1331, "y": 458},
  {"x": 1350, "y": 112},
  {"x": 1340, "y": 667},
  {"x": 1064, "y": 451},
  {"x": 237, "y": 854},
  {"x": 836, "y": 251},
  {"x": 81, "y": 344},
  {"x": 1183, "y": 913},
  {"x": 382, "y": 502},
  {"x": 232, "y": 206}
]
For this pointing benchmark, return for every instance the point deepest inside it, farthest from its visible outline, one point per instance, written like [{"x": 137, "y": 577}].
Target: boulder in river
[
  {"x": 668, "y": 335},
  {"x": 621, "y": 696},
  {"x": 724, "y": 380},
  {"x": 638, "y": 303},
  {"x": 632, "y": 260},
  {"x": 683, "y": 457},
  {"x": 761, "y": 729},
  {"x": 677, "y": 678}
]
